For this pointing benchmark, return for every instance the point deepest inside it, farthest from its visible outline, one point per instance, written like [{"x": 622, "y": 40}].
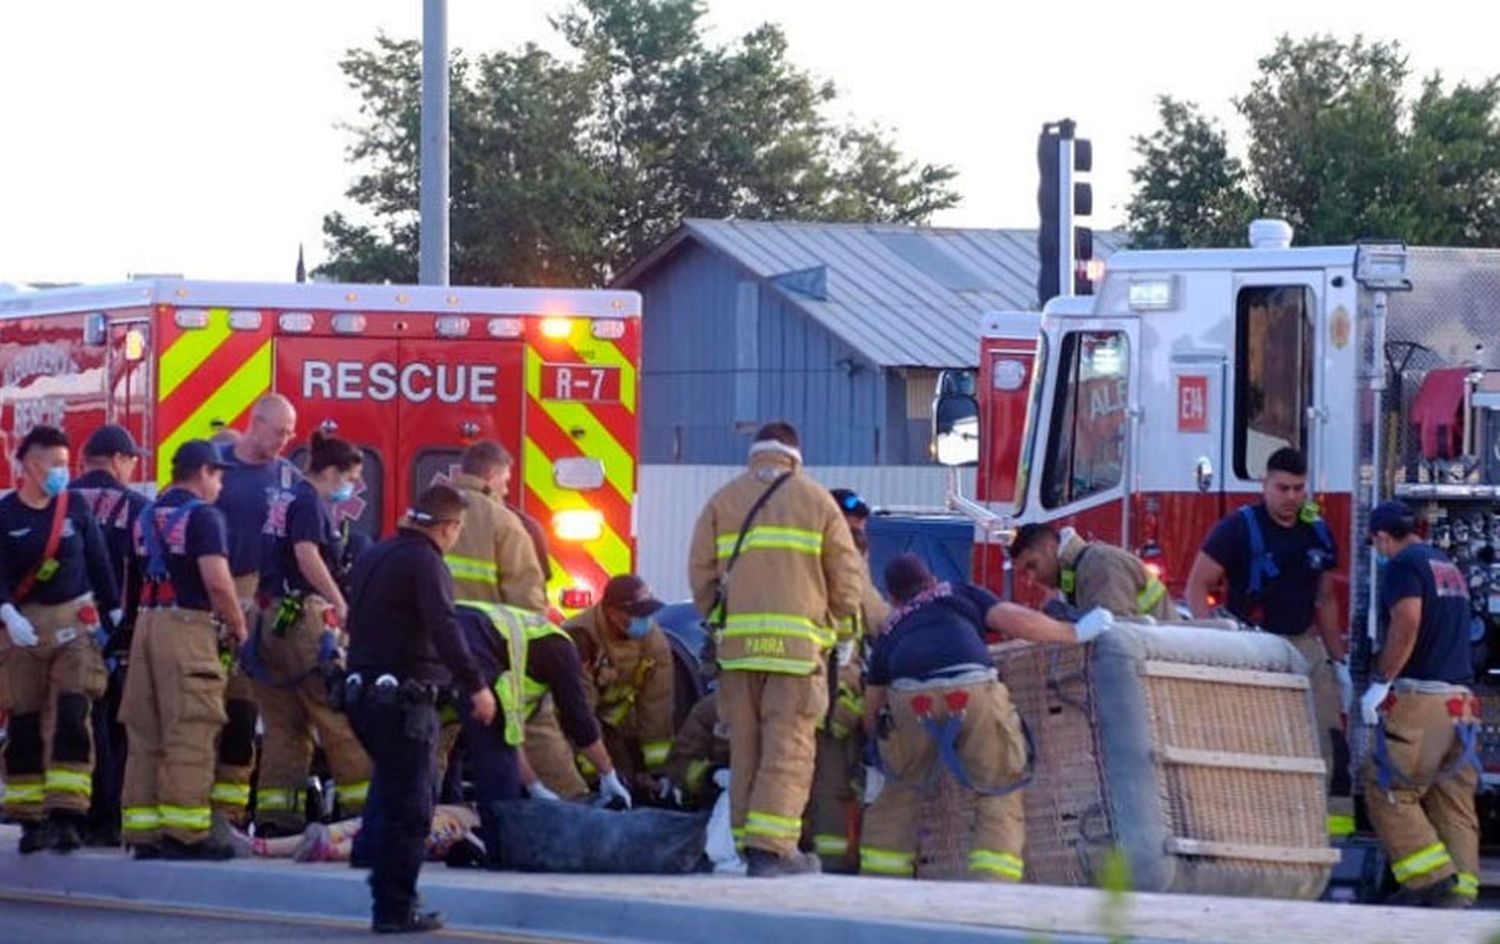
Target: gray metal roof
[{"x": 904, "y": 296}]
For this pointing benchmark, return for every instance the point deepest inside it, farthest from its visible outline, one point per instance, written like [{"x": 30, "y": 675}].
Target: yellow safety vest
[{"x": 517, "y": 692}]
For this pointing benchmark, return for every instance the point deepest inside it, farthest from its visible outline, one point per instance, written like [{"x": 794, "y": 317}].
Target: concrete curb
[{"x": 476, "y": 901}]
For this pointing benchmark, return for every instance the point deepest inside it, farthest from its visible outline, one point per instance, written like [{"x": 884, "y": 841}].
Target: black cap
[
  {"x": 629, "y": 593},
  {"x": 195, "y": 454},
  {"x": 1393, "y": 517},
  {"x": 110, "y": 440},
  {"x": 850, "y": 503}
]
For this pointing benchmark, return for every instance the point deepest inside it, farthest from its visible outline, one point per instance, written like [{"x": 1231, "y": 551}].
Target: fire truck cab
[{"x": 411, "y": 375}]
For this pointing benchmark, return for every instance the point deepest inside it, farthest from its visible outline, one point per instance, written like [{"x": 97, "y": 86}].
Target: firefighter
[
  {"x": 405, "y": 649},
  {"x": 627, "y": 672},
  {"x": 1278, "y": 559},
  {"x": 833, "y": 812},
  {"x": 699, "y": 749},
  {"x": 773, "y": 568},
  {"x": 1419, "y": 786},
  {"x": 173, "y": 706},
  {"x": 296, "y": 643},
  {"x": 51, "y": 554},
  {"x": 501, "y": 637},
  {"x": 257, "y": 490},
  {"x": 1090, "y": 574},
  {"x": 111, "y": 459},
  {"x": 932, "y": 697}
]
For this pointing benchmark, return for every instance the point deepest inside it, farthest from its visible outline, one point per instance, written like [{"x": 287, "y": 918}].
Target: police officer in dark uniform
[
  {"x": 111, "y": 458},
  {"x": 405, "y": 652}
]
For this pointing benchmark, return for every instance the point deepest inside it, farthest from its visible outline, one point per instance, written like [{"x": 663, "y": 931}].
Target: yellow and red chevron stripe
[
  {"x": 205, "y": 374},
  {"x": 609, "y": 432}
]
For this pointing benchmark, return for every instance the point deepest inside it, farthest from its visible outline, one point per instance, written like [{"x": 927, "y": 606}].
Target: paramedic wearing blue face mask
[{"x": 627, "y": 671}]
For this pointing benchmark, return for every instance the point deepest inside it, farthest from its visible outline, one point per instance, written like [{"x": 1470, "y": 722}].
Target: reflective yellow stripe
[
  {"x": 1340, "y": 825},
  {"x": 1421, "y": 862},
  {"x": 1467, "y": 884},
  {"x": 790, "y": 625},
  {"x": 278, "y": 801},
  {"x": 189, "y": 351},
  {"x": 231, "y": 794},
  {"x": 23, "y": 793},
  {"x": 471, "y": 568},
  {"x": 1147, "y": 599},
  {"x": 355, "y": 792},
  {"x": 772, "y": 825},
  {"x": 185, "y": 817},
  {"x": 140, "y": 819},
  {"x": 762, "y": 664},
  {"x": 655, "y": 752},
  {"x": 828, "y": 844},
  {"x": 771, "y": 538},
  {"x": 69, "y": 781},
  {"x": 697, "y": 770},
  {"x": 514, "y": 689},
  {"x": 1000, "y": 863},
  {"x": 233, "y": 397},
  {"x": 885, "y": 861}
]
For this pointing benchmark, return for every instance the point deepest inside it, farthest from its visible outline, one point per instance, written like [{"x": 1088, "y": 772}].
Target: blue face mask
[
  {"x": 638, "y": 626},
  {"x": 343, "y": 493},
  {"x": 1381, "y": 560},
  {"x": 56, "y": 480}
]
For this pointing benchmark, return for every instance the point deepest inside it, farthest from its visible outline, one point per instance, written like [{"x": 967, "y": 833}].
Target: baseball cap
[
  {"x": 110, "y": 440},
  {"x": 850, "y": 503},
  {"x": 629, "y": 593},
  {"x": 1389, "y": 515},
  {"x": 195, "y": 454}
]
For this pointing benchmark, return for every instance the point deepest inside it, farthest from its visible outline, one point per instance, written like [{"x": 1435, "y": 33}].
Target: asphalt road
[{"x": 70, "y": 921}]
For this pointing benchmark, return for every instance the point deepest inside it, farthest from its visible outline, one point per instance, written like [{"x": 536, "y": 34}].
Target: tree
[
  {"x": 565, "y": 169},
  {"x": 1336, "y": 147}
]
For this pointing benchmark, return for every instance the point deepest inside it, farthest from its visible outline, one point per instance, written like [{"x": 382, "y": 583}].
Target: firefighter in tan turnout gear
[
  {"x": 932, "y": 697},
  {"x": 173, "y": 705},
  {"x": 627, "y": 673},
  {"x": 1419, "y": 787},
  {"x": 774, "y": 567},
  {"x": 1090, "y": 574}
]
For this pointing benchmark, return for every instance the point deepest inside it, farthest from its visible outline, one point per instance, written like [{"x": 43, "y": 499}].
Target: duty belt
[{"x": 385, "y": 690}]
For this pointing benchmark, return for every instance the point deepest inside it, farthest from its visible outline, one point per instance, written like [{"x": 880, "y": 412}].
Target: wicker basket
[{"x": 1192, "y": 750}]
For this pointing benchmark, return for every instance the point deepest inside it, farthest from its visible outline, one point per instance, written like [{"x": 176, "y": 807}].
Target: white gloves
[
  {"x": 874, "y": 783},
  {"x": 669, "y": 792},
  {"x": 611, "y": 788},
  {"x": 1094, "y": 622},
  {"x": 721, "y": 778},
  {"x": 22, "y": 633},
  {"x": 116, "y": 617},
  {"x": 539, "y": 791},
  {"x": 1346, "y": 685},
  {"x": 1375, "y": 696},
  {"x": 845, "y": 653}
]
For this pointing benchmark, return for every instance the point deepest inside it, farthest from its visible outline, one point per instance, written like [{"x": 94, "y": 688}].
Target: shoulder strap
[
  {"x": 1067, "y": 577},
  {"x": 54, "y": 539},
  {"x": 154, "y": 534},
  {"x": 716, "y": 615},
  {"x": 1257, "y": 551}
]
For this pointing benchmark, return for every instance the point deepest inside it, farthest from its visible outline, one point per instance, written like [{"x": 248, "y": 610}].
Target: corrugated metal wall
[
  {"x": 671, "y": 497},
  {"x": 723, "y": 353}
]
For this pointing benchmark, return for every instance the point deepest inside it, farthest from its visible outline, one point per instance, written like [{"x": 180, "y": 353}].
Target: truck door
[
  {"x": 1275, "y": 398},
  {"x": 129, "y": 379},
  {"x": 1087, "y": 453}
]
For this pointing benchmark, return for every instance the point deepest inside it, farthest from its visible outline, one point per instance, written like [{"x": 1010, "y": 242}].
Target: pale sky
[{"x": 198, "y": 136}]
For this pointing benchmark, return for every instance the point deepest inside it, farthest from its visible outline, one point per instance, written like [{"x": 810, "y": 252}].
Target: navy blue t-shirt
[
  {"x": 1287, "y": 603},
  {"x": 82, "y": 556},
  {"x": 308, "y": 518},
  {"x": 943, "y": 633},
  {"x": 254, "y": 502},
  {"x": 116, "y": 506},
  {"x": 185, "y": 537},
  {"x": 1442, "y": 652}
]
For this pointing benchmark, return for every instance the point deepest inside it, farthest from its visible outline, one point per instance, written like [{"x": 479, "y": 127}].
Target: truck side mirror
[{"x": 955, "y": 420}]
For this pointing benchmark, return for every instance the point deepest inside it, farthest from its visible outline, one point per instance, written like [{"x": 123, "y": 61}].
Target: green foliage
[
  {"x": 566, "y": 168},
  {"x": 1337, "y": 146}
]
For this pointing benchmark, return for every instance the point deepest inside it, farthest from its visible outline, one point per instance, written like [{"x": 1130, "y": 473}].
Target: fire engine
[
  {"x": 1145, "y": 413},
  {"x": 409, "y": 374}
]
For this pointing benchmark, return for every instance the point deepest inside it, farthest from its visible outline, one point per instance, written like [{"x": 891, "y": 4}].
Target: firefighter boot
[
  {"x": 140, "y": 815},
  {"x": 762, "y": 864},
  {"x": 772, "y": 720},
  {"x": 236, "y": 749}
]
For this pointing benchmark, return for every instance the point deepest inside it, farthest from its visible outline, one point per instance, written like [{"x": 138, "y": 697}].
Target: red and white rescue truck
[
  {"x": 1145, "y": 413},
  {"x": 410, "y": 374}
]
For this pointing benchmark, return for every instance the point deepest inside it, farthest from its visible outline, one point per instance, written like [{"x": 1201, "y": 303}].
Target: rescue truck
[
  {"x": 1143, "y": 414},
  {"x": 410, "y": 374}
]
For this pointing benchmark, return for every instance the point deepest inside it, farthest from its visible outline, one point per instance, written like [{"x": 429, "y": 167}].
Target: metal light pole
[{"x": 433, "y": 267}]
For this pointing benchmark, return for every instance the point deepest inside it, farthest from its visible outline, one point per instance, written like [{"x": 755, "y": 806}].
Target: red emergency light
[{"x": 577, "y": 598}]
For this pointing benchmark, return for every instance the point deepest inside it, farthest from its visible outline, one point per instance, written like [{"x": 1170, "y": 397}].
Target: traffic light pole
[{"x": 1066, "y": 263}]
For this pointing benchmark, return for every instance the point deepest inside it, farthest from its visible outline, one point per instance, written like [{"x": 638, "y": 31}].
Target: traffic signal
[{"x": 1063, "y": 247}]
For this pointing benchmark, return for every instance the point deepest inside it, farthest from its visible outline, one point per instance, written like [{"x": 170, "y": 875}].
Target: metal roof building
[{"x": 840, "y": 328}]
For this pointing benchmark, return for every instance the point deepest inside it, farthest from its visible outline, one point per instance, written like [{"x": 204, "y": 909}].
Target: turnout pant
[
  {"x": 772, "y": 719},
  {"x": 49, "y": 690},
  {"x": 173, "y": 709},
  {"x": 1328, "y": 711},
  {"x": 402, "y": 741},
  {"x": 550, "y": 754},
  {"x": 992, "y": 750},
  {"x": 293, "y": 708},
  {"x": 1426, "y": 819},
  {"x": 833, "y": 812},
  {"x": 236, "y": 753},
  {"x": 109, "y": 758}
]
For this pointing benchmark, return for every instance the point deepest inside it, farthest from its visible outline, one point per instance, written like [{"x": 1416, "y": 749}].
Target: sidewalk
[{"x": 691, "y": 909}]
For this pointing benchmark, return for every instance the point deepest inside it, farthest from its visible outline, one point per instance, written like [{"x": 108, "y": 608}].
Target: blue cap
[
  {"x": 195, "y": 454},
  {"x": 1389, "y": 516},
  {"x": 110, "y": 440}
]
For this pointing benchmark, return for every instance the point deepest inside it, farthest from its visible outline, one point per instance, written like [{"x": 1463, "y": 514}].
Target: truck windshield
[{"x": 1086, "y": 441}]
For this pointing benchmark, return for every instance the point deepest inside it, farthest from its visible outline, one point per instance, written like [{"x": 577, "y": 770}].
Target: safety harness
[
  {"x": 154, "y": 536},
  {"x": 1464, "y": 710},
  {"x": 945, "y": 733},
  {"x": 1263, "y": 567}
]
